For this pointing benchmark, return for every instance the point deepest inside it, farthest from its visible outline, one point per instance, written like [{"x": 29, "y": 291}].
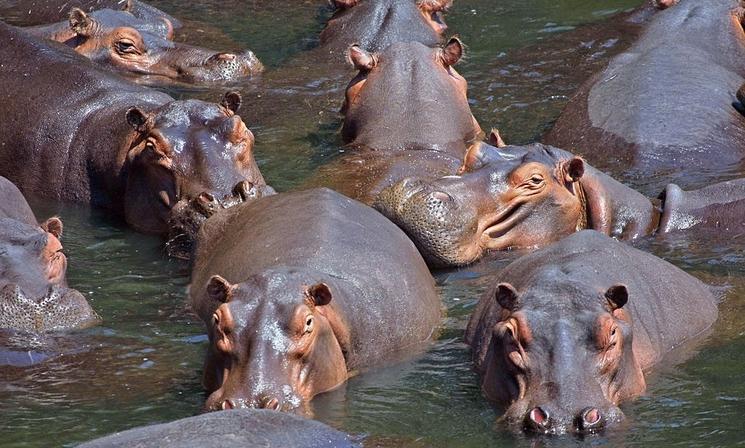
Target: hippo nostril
[
  {"x": 244, "y": 190},
  {"x": 537, "y": 420},
  {"x": 225, "y": 57},
  {"x": 228, "y": 404},
  {"x": 441, "y": 196},
  {"x": 270, "y": 403},
  {"x": 590, "y": 418},
  {"x": 205, "y": 197}
]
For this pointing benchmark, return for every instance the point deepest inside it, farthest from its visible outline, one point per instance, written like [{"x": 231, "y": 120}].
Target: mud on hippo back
[
  {"x": 663, "y": 109},
  {"x": 34, "y": 296},
  {"x": 292, "y": 311},
  {"x": 121, "y": 41},
  {"x": 91, "y": 137},
  {"x": 376, "y": 24},
  {"x": 567, "y": 332},
  {"x": 530, "y": 196}
]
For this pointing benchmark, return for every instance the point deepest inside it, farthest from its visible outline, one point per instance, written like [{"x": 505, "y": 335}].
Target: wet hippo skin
[
  {"x": 663, "y": 109},
  {"x": 70, "y": 132},
  {"x": 529, "y": 196},
  {"x": 236, "y": 428},
  {"x": 294, "y": 307},
  {"x": 34, "y": 296},
  {"x": 405, "y": 113},
  {"x": 567, "y": 332}
]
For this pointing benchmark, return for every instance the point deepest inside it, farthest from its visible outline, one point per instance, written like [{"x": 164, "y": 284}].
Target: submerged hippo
[
  {"x": 376, "y": 24},
  {"x": 34, "y": 296},
  {"x": 530, "y": 196},
  {"x": 70, "y": 132},
  {"x": 119, "y": 40},
  {"x": 293, "y": 310},
  {"x": 237, "y": 428},
  {"x": 405, "y": 112},
  {"x": 663, "y": 109},
  {"x": 568, "y": 332}
]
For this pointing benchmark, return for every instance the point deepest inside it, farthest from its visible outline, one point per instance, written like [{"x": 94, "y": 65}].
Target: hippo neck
[{"x": 614, "y": 209}]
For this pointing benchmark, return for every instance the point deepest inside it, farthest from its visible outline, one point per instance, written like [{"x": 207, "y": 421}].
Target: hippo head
[
  {"x": 561, "y": 369},
  {"x": 431, "y": 11},
  {"x": 510, "y": 197},
  {"x": 409, "y": 97},
  {"x": 34, "y": 296},
  {"x": 135, "y": 49},
  {"x": 275, "y": 342},
  {"x": 664, "y": 4},
  {"x": 181, "y": 150}
]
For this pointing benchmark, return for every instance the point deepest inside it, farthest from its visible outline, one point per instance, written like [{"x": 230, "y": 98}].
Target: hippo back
[
  {"x": 13, "y": 205},
  {"x": 349, "y": 244},
  {"x": 667, "y": 306}
]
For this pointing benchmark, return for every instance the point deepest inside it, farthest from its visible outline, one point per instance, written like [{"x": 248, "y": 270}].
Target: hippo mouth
[
  {"x": 59, "y": 309},
  {"x": 499, "y": 226}
]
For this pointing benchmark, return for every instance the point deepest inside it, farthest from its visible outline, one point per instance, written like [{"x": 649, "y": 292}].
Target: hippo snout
[
  {"x": 262, "y": 402},
  {"x": 545, "y": 420},
  {"x": 59, "y": 309}
]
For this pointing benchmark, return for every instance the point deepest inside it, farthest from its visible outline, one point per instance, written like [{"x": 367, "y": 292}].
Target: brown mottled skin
[
  {"x": 293, "y": 311},
  {"x": 530, "y": 196},
  {"x": 119, "y": 40},
  {"x": 405, "y": 112},
  {"x": 568, "y": 332},
  {"x": 34, "y": 296},
  {"x": 662, "y": 110},
  {"x": 70, "y": 132}
]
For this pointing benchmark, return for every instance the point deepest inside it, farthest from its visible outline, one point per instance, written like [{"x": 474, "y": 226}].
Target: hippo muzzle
[
  {"x": 221, "y": 67},
  {"x": 58, "y": 309}
]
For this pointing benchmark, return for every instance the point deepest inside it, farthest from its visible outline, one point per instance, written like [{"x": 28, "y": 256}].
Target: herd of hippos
[{"x": 559, "y": 342}]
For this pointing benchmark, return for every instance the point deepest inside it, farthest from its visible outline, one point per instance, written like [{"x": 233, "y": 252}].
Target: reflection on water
[{"x": 143, "y": 366}]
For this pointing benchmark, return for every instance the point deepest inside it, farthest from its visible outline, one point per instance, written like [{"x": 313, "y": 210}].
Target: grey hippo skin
[
  {"x": 120, "y": 41},
  {"x": 376, "y": 24},
  {"x": 663, "y": 110},
  {"x": 567, "y": 333},
  {"x": 529, "y": 196},
  {"x": 293, "y": 307},
  {"x": 34, "y": 296},
  {"x": 405, "y": 113},
  {"x": 70, "y": 132},
  {"x": 41, "y": 12},
  {"x": 236, "y": 428}
]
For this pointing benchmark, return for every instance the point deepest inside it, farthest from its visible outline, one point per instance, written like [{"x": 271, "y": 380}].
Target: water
[{"x": 143, "y": 365}]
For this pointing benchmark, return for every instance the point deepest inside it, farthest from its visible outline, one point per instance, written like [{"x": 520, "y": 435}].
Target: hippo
[
  {"x": 568, "y": 332},
  {"x": 42, "y": 12},
  {"x": 374, "y": 25},
  {"x": 71, "y": 132},
  {"x": 530, "y": 196},
  {"x": 119, "y": 40},
  {"x": 293, "y": 311},
  {"x": 34, "y": 296},
  {"x": 628, "y": 119},
  {"x": 405, "y": 112},
  {"x": 235, "y": 428}
]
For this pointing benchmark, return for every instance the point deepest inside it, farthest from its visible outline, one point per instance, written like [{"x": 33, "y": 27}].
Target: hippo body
[
  {"x": 34, "y": 296},
  {"x": 376, "y": 24},
  {"x": 405, "y": 112},
  {"x": 664, "y": 106},
  {"x": 346, "y": 272},
  {"x": 529, "y": 196},
  {"x": 586, "y": 315},
  {"x": 236, "y": 428},
  {"x": 73, "y": 133}
]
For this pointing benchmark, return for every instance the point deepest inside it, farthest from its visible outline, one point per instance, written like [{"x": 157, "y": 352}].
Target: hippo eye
[
  {"x": 308, "y": 324},
  {"x": 126, "y": 46},
  {"x": 536, "y": 179}
]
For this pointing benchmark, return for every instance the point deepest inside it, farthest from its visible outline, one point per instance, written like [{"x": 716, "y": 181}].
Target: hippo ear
[
  {"x": 574, "y": 169},
  {"x": 495, "y": 139},
  {"x": 80, "y": 23},
  {"x": 617, "y": 296},
  {"x": 219, "y": 289},
  {"x": 452, "y": 52},
  {"x": 344, "y": 4},
  {"x": 128, "y": 6},
  {"x": 232, "y": 101},
  {"x": 506, "y": 296},
  {"x": 319, "y": 294},
  {"x": 361, "y": 59},
  {"x": 137, "y": 119},
  {"x": 54, "y": 226}
]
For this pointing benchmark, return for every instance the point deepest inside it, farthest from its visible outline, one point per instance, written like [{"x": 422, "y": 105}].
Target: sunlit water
[{"x": 143, "y": 365}]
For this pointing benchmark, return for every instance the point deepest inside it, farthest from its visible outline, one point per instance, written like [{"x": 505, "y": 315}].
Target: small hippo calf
[
  {"x": 293, "y": 307},
  {"x": 34, "y": 296},
  {"x": 568, "y": 331}
]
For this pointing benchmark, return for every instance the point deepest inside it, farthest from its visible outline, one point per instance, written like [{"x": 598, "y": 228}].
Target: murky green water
[{"x": 143, "y": 365}]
